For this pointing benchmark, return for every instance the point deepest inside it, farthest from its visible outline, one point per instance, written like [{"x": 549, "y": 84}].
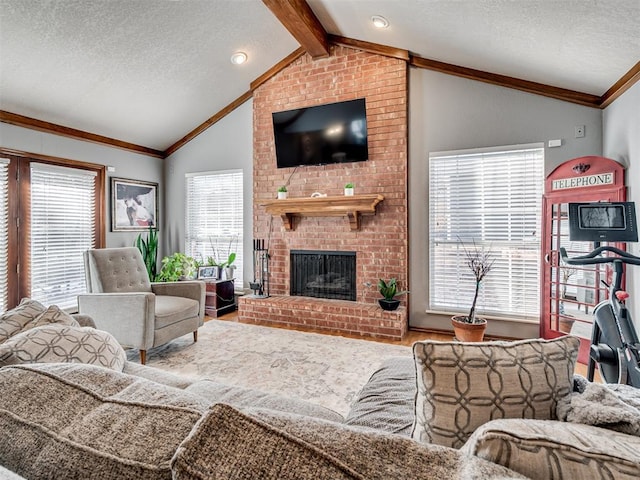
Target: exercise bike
[{"x": 615, "y": 348}]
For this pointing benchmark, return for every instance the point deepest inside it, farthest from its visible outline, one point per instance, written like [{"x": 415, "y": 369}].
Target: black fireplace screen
[{"x": 323, "y": 274}]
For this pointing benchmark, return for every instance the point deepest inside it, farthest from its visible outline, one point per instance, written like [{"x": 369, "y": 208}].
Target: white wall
[
  {"x": 451, "y": 113},
  {"x": 127, "y": 165},
  {"x": 226, "y": 145},
  {"x": 621, "y": 140}
]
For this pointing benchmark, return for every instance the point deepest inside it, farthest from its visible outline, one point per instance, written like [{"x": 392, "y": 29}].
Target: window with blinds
[
  {"x": 4, "y": 234},
  {"x": 214, "y": 214},
  {"x": 492, "y": 197},
  {"x": 62, "y": 228}
]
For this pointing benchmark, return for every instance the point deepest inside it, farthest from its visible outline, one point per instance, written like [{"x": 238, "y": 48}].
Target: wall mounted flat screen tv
[
  {"x": 322, "y": 134},
  {"x": 603, "y": 222}
]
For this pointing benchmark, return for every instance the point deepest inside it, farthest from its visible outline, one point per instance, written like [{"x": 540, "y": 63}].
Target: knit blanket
[{"x": 612, "y": 406}]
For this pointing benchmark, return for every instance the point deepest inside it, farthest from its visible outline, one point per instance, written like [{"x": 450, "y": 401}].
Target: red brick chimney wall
[{"x": 381, "y": 242}]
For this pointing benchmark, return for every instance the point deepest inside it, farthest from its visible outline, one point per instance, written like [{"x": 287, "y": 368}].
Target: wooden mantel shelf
[{"x": 349, "y": 206}]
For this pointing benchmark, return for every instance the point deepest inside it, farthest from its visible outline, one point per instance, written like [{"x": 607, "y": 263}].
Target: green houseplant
[
  {"x": 177, "y": 267},
  {"x": 349, "y": 189},
  {"x": 149, "y": 249},
  {"x": 470, "y": 328},
  {"x": 282, "y": 192},
  {"x": 389, "y": 290}
]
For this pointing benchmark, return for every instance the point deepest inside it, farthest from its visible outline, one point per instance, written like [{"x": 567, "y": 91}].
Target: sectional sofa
[{"x": 452, "y": 410}]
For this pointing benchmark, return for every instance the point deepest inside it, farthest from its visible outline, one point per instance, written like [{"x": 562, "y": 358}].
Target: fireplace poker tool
[{"x": 260, "y": 284}]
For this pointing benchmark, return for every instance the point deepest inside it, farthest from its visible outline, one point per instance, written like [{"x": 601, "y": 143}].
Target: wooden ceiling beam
[
  {"x": 564, "y": 94},
  {"x": 298, "y": 18},
  {"x": 48, "y": 127},
  {"x": 376, "y": 48}
]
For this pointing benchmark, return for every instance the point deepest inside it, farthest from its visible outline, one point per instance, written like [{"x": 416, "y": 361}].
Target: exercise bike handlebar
[{"x": 594, "y": 257}]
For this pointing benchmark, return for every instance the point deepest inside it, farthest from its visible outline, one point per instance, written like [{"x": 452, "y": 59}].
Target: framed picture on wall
[{"x": 134, "y": 205}]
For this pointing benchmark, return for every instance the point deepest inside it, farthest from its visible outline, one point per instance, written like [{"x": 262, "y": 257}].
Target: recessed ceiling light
[
  {"x": 238, "y": 58},
  {"x": 379, "y": 21}
]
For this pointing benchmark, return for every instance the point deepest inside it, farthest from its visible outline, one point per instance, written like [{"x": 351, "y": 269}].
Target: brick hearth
[
  {"x": 381, "y": 241},
  {"x": 321, "y": 314}
]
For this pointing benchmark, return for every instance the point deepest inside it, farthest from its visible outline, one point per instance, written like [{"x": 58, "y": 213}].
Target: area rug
[{"x": 324, "y": 369}]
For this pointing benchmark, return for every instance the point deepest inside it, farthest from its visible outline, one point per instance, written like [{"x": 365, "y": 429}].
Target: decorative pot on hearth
[{"x": 388, "y": 305}]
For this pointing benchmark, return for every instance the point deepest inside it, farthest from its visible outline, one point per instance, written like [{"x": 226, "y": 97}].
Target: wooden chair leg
[
  {"x": 143, "y": 357},
  {"x": 195, "y": 335}
]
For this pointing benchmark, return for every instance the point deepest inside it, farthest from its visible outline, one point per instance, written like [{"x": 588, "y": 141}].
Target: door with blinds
[
  {"x": 570, "y": 292},
  {"x": 49, "y": 215}
]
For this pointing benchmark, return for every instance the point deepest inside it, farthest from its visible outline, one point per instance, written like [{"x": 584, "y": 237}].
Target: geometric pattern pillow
[
  {"x": 63, "y": 344},
  {"x": 53, "y": 314},
  {"x": 14, "y": 320},
  {"x": 553, "y": 450},
  {"x": 464, "y": 385}
]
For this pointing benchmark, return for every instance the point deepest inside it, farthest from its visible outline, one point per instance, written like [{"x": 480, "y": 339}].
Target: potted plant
[
  {"x": 229, "y": 267},
  {"x": 282, "y": 192},
  {"x": 389, "y": 290},
  {"x": 149, "y": 249},
  {"x": 470, "y": 328},
  {"x": 349, "y": 189},
  {"x": 177, "y": 267}
]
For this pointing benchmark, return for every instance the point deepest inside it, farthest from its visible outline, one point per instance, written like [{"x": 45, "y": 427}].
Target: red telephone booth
[{"x": 570, "y": 292}]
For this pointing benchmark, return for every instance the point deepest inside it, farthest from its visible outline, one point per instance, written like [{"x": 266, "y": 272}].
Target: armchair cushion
[
  {"x": 116, "y": 270},
  {"x": 171, "y": 309}
]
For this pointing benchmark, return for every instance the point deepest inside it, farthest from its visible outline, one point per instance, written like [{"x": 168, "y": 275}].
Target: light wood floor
[{"x": 411, "y": 337}]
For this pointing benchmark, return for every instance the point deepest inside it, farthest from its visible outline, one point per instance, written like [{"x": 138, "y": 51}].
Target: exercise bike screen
[{"x": 603, "y": 222}]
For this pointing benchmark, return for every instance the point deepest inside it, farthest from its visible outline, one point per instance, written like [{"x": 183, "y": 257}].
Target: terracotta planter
[
  {"x": 468, "y": 332},
  {"x": 388, "y": 305}
]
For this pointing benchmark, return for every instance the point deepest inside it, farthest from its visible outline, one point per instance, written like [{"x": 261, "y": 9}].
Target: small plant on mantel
[
  {"x": 349, "y": 189},
  {"x": 389, "y": 290},
  {"x": 469, "y": 327},
  {"x": 282, "y": 192}
]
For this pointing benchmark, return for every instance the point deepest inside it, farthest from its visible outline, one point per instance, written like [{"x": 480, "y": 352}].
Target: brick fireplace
[{"x": 380, "y": 242}]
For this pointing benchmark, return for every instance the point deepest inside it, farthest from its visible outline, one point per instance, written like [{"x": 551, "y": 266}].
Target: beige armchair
[{"x": 140, "y": 314}]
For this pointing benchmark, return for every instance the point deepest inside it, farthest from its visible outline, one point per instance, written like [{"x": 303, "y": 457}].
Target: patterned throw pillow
[
  {"x": 464, "y": 385},
  {"x": 63, "y": 344},
  {"x": 13, "y": 321},
  {"x": 51, "y": 315}
]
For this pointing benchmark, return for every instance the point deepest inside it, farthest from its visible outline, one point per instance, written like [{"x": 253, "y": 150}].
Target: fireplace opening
[{"x": 323, "y": 274}]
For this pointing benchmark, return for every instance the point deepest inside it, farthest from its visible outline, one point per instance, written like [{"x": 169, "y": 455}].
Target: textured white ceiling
[{"x": 150, "y": 71}]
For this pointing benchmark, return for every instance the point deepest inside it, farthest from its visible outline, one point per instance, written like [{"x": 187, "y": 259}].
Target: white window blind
[
  {"x": 62, "y": 227},
  {"x": 4, "y": 233},
  {"x": 493, "y": 198},
  {"x": 214, "y": 214}
]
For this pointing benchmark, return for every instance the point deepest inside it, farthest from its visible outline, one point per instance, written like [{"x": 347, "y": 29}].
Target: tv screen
[
  {"x": 603, "y": 222},
  {"x": 323, "y": 134}
]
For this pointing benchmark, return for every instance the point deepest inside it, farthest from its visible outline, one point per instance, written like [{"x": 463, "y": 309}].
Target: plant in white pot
[
  {"x": 282, "y": 193},
  {"x": 349, "y": 189},
  {"x": 470, "y": 328}
]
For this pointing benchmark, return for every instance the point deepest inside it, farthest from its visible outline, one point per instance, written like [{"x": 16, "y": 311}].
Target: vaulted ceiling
[{"x": 153, "y": 73}]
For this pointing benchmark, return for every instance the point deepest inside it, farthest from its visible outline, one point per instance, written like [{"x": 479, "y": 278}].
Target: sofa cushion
[
  {"x": 242, "y": 397},
  {"x": 14, "y": 320},
  {"x": 387, "y": 400},
  {"x": 61, "y": 343},
  {"x": 464, "y": 385},
  {"x": 232, "y": 445},
  {"x": 550, "y": 450},
  {"x": 53, "y": 314},
  {"x": 77, "y": 421},
  {"x": 170, "y": 309}
]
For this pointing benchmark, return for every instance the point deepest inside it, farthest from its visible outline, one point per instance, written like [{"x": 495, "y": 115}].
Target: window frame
[
  {"x": 19, "y": 211},
  {"x": 442, "y": 306}
]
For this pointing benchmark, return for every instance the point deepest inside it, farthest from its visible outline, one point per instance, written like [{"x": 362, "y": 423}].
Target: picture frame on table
[{"x": 134, "y": 205}]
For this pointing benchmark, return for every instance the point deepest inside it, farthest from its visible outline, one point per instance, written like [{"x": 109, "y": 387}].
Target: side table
[{"x": 220, "y": 297}]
